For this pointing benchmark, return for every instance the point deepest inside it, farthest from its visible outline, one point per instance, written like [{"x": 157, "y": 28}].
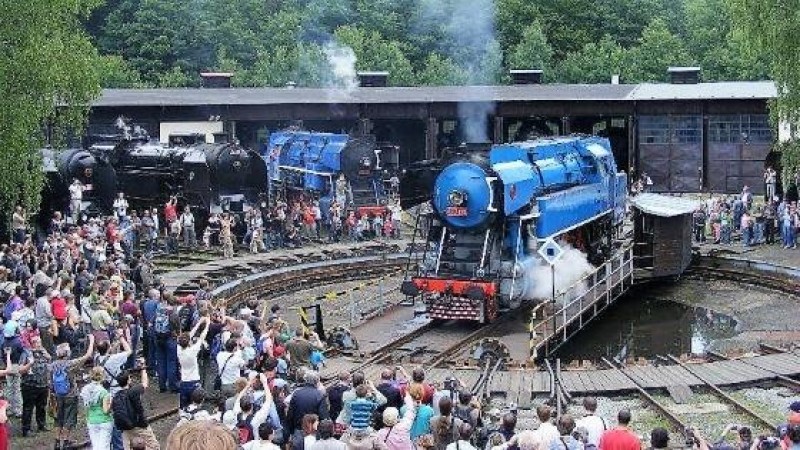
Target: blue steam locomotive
[
  {"x": 353, "y": 170},
  {"x": 492, "y": 206}
]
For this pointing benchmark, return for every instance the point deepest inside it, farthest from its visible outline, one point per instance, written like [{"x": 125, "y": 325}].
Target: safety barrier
[{"x": 579, "y": 304}]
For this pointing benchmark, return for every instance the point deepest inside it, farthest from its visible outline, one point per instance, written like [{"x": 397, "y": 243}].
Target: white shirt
[
  {"x": 595, "y": 426},
  {"x": 462, "y": 445},
  {"x": 547, "y": 432},
  {"x": 187, "y": 219},
  {"x": 121, "y": 205},
  {"x": 260, "y": 445},
  {"x": 187, "y": 357},
  {"x": 76, "y": 191},
  {"x": 233, "y": 368}
]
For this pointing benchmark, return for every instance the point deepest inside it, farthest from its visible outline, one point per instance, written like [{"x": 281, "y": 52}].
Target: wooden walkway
[{"x": 521, "y": 386}]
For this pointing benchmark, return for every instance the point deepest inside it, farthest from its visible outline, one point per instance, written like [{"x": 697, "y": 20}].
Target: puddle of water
[{"x": 646, "y": 324}]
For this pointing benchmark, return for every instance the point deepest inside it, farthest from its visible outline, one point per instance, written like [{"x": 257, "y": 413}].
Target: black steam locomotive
[{"x": 208, "y": 177}]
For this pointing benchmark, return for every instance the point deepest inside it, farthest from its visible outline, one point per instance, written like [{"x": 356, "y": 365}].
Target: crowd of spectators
[
  {"x": 291, "y": 224},
  {"x": 724, "y": 219}
]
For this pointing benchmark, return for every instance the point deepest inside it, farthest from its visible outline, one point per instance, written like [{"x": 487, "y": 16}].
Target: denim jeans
[
  {"x": 186, "y": 389},
  {"x": 100, "y": 434},
  {"x": 167, "y": 357}
]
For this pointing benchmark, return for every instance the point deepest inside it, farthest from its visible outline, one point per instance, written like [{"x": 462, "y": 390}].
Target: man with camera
[{"x": 128, "y": 410}]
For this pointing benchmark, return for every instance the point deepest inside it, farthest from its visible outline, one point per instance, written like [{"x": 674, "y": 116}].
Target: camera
[
  {"x": 691, "y": 438},
  {"x": 450, "y": 384},
  {"x": 768, "y": 443}
]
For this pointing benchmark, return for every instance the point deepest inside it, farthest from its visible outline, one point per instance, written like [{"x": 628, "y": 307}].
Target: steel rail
[{"x": 727, "y": 398}]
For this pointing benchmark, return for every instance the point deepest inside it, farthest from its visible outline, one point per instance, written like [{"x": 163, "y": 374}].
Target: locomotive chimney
[
  {"x": 373, "y": 79},
  {"x": 216, "y": 80},
  {"x": 526, "y": 76},
  {"x": 684, "y": 75}
]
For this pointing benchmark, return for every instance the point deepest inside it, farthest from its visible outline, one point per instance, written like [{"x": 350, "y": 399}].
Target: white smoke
[
  {"x": 342, "y": 61},
  {"x": 569, "y": 269},
  {"x": 475, "y": 120}
]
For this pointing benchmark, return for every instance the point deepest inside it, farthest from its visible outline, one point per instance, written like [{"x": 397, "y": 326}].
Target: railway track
[
  {"x": 739, "y": 413},
  {"x": 742, "y": 276}
]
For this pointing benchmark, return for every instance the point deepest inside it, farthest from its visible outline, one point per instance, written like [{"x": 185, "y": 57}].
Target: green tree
[
  {"x": 373, "y": 52},
  {"x": 533, "y": 51},
  {"x": 658, "y": 49},
  {"x": 157, "y": 35},
  {"x": 48, "y": 73},
  {"x": 115, "y": 72},
  {"x": 440, "y": 71},
  {"x": 594, "y": 63},
  {"x": 512, "y": 17}
]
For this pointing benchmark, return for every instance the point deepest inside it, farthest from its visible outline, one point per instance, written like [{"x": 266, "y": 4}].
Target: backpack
[
  {"x": 61, "y": 382},
  {"x": 125, "y": 417},
  {"x": 186, "y": 317},
  {"x": 161, "y": 324},
  {"x": 465, "y": 414},
  {"x": 244, "y": 428}
]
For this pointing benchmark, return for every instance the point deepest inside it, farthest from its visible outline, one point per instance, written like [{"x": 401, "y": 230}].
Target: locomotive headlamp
[{"x": 456, "y": 198}]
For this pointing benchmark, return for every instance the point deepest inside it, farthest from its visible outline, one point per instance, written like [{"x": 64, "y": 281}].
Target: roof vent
[
  {"x": 614, "y": 79},
  {"x": 290, "y": 85},
  {"x": 526, "y": 76},
  {"x": 373, "y": 79},
  {"x": 214, "y": 80},
  {"x": 684, "y": 75}
]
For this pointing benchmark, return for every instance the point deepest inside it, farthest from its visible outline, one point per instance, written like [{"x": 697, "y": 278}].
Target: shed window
[{"x": 654, "y": 129}]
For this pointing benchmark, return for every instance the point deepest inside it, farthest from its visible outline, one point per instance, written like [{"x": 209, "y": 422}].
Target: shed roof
[
  {"x": 664, "y": 205},
  {"x": 728, "y": 90},
  {"x": 435, "y": 94}
]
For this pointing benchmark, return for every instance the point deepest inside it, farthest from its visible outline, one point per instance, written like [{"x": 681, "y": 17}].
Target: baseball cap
[{"x": 795, "y": 406}]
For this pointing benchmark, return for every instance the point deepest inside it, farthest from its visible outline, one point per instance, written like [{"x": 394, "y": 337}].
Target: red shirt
[
  {"x": 619, "y": 439},
  {"x": 170, "y": 212}
]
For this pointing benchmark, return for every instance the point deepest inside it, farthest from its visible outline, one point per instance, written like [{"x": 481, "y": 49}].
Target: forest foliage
[{"x": 167, "y": 43}]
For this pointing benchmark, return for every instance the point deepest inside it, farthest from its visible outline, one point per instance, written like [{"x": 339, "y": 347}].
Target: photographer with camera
[{"x": 128, "y": 410}]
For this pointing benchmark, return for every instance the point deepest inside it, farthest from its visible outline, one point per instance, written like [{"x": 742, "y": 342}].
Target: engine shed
[{"x": 662, "y": 230}]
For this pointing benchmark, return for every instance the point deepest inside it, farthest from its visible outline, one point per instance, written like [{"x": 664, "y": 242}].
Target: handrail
[{"x": 622, "y": 271}]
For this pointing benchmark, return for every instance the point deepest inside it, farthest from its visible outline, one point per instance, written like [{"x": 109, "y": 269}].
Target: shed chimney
[
  {"x": 684, "y": 75},
  {"x": 526, "y": 76},
  {"x": 373, "y": 79},
  {"x": 216, "y": 79}
]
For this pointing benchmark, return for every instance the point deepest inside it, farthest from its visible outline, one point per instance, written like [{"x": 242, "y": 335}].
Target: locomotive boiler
[
  {"x": 61, "y": 168},
  {"x": 209, "y": 177},
  {"x": 492, "y": 206},
  {"x": 323, "y": 163}
]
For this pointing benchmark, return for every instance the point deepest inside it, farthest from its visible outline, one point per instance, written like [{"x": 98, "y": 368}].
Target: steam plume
[
  {"x": 342, "y": 61},
  {"x": 569, "y": 269}
]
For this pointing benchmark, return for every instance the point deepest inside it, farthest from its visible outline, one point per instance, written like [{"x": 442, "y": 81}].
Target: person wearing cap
[{"x": 396, "y": 434}]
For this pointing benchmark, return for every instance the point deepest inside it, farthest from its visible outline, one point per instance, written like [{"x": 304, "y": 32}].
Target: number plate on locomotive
[
  {"x": 456, "y": 211},
  {"x": 363, "y": 172}
]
